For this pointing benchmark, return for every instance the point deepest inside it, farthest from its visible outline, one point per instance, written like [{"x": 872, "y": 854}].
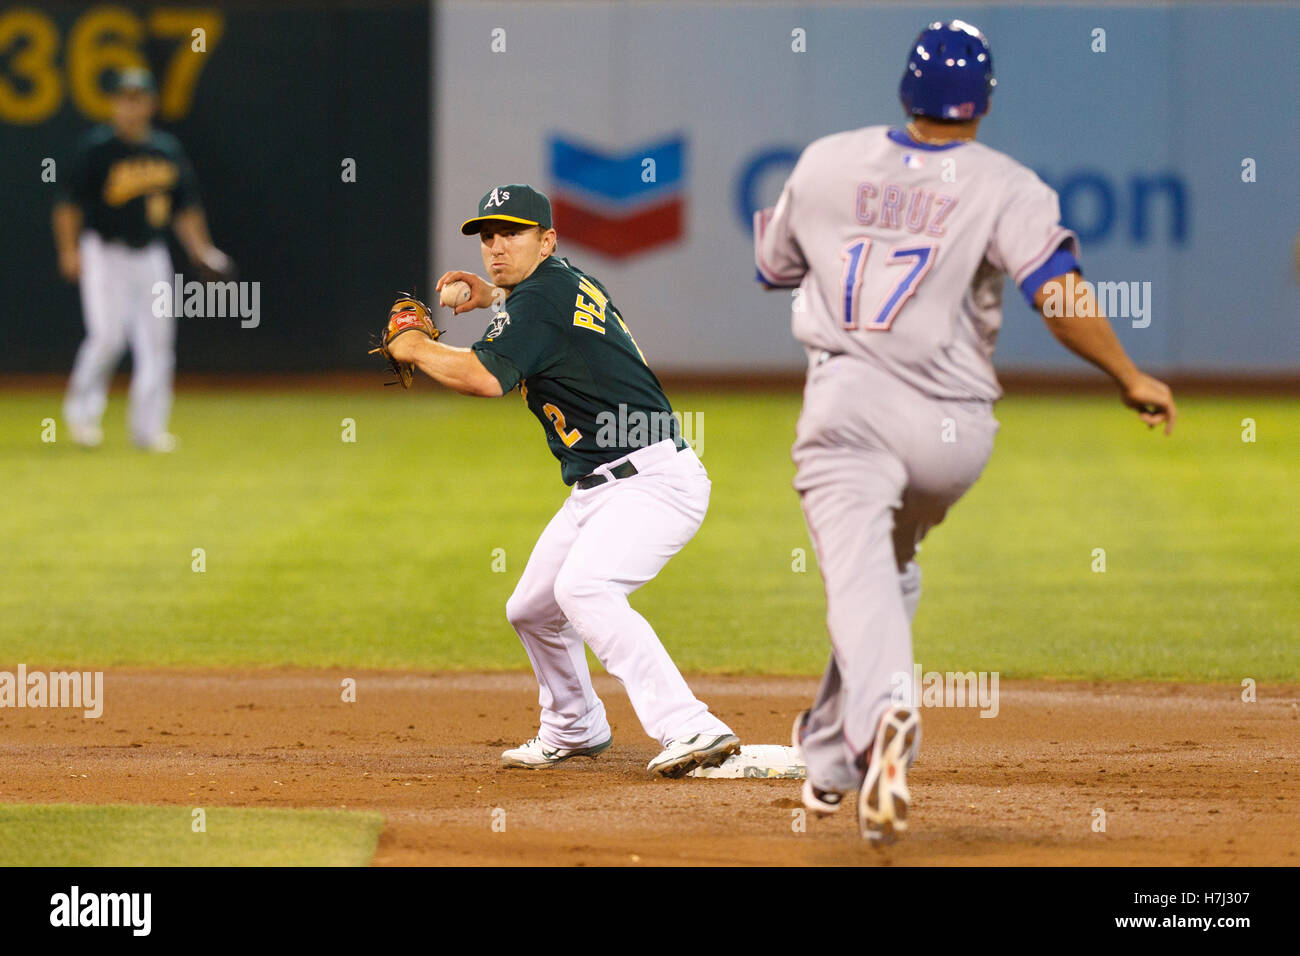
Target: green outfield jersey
[
  {"x": 128, "y": 192},
  {"x": 566, "y": 346}
]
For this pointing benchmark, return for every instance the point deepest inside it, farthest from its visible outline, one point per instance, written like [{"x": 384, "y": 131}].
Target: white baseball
[{"x": 455, "y": 293}]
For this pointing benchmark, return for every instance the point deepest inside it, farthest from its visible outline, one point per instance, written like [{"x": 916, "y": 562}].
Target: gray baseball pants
[{"x": 878, "y": 465}]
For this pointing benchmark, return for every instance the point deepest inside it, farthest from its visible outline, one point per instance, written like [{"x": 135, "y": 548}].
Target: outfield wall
[
  {"x": 1145, "y": 142},
  {"x": 283, "y": 95}
]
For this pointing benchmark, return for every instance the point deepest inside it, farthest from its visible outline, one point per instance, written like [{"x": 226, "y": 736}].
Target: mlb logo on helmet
[{"x": 949, "y": 73}]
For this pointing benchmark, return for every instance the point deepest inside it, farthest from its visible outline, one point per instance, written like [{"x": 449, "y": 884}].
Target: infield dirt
[{"x": 1185, "y": 774}]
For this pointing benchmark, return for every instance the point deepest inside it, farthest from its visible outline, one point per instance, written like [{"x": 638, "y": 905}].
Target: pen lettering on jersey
[
  {"x": 890, "y": 206},
  {"x": 590, "y": 311},
  {"x": 591, "y": 305}
]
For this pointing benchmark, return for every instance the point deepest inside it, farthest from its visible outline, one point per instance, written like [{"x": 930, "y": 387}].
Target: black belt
[{"x": 625, "y": 470}]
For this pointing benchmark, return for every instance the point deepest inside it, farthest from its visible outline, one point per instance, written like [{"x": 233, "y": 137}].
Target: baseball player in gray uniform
[{"x": 898, "y": 242}]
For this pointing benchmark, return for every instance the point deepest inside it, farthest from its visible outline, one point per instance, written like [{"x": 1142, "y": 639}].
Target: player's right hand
[
  {"x": 481, "y": 292},
  {"x": 1153, "y": 401},
  {"x": 70, "y": 265}
]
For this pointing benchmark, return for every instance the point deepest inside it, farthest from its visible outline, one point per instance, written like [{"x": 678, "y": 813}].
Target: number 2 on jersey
[
  {"x": 920, "y": 256},
  {"x": 557, "y": 419}
]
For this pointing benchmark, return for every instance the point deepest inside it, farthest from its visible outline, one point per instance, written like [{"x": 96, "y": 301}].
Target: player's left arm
[
  {"x": 1087, "y": 333},
  {"x": 191, "y": 224},
  {"x": 1029, "y": 243},
  {"x": 191, "y": 228},
  {"x": 456, "y": 368}
]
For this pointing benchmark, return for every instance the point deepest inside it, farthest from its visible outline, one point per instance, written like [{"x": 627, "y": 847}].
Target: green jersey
[
  {"x": 566, "y": 346},
  {"x": 128, "y": 191}
]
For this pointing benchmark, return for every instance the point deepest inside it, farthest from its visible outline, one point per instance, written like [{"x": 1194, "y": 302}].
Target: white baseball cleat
[
  {"x": 683, "y": 755},
  {"x": 883, "y": 798},
  {"x": 87, "y": 436},
  {"x": 162, "y": 443},
  {"x": 815, "y": 799},
  {"x": 798, "y": 730},
  {"x": 535, "y": 755},
  {"x": 819, "y": 801}
]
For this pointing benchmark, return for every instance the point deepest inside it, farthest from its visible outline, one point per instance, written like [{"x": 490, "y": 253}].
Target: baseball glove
[{"x": 408, "y": 314}]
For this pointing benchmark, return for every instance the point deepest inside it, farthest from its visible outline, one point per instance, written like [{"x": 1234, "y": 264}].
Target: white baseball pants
[
  {"x": 117, "y": 303},
  {"x": 603, "y": 544}
]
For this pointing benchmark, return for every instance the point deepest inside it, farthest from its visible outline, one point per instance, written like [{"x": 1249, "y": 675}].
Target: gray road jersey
[{"x": 899, "y": 250}]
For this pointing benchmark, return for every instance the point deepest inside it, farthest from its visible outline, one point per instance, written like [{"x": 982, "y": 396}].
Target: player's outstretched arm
[
  {"x": 456, "y": 368},
  {"x": 67, "y": 220},
  {"x": 1085, "y": 331},
  {"x": 191, "y": 228},
  {"x": 482, "y": 294}
]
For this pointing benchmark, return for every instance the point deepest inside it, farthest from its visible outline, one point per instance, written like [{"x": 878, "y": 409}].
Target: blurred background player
[
  {"x": 125, "y": 184},
  {"x": 900, "y": 240}
]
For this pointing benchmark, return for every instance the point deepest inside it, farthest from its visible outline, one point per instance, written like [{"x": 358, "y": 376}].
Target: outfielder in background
[
  {"x": 125, "y": 184},
  {"x": 639, "y": 491},
  {"x": 898, "y": 241}
]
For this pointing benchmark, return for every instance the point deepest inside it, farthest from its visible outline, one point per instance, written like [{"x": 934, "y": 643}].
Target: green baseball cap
[
  {"x": 132, "y": 78},
  {"x": 516, "y": 202}
]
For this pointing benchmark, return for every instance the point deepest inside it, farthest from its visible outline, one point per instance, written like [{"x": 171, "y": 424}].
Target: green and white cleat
[
  {"x": 535, "y": 755},
  {"x": 682, "y": 756}
]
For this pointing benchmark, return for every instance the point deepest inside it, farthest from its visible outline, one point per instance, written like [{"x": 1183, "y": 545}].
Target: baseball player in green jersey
[
  {"x": 639, "y": 491},
  {"x": 126, "y": 184}
]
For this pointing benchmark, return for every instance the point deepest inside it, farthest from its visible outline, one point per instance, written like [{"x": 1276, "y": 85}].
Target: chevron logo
[{"x": 602, "y": 199}]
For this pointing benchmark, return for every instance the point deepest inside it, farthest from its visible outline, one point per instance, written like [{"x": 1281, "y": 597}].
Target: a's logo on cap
[{"x": 497, "y": 198}]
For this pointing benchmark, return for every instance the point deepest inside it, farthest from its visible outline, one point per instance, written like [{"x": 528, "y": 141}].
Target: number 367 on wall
[{"x": 101, "y": 39}]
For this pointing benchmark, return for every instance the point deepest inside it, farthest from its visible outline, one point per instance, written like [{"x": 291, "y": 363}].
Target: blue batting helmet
[{"x": 949, "y": 73}]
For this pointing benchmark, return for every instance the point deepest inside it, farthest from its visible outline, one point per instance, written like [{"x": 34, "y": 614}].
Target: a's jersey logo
[
  {"x": 619, "y": 202},
  {"x": 138, "y": 176},
  {"x": 498, "y": 325}
]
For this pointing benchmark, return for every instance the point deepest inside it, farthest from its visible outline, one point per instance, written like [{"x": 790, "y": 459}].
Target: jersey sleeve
[
  {"x": 524, "y": 345},
  {"x": 1028, "y": 238},
  {"x": 777, "y": 255}
]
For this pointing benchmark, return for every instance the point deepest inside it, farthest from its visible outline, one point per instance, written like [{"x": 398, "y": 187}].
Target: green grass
[
  {"x": 74, "y": 835},
  {"x": 379, "y": 553}
]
